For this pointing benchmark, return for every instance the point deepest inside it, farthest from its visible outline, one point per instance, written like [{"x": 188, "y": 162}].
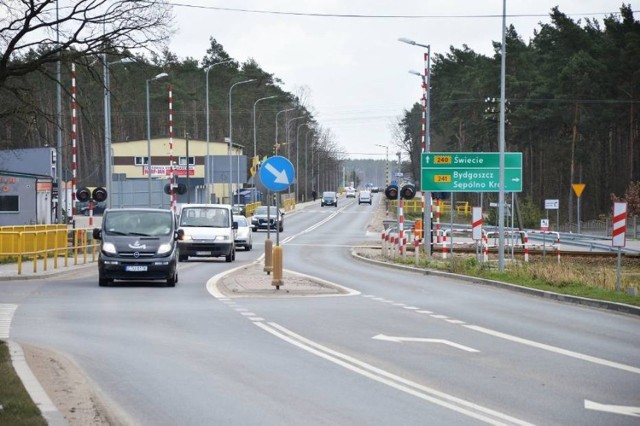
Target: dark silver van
[{"x": 137, "y": 244}]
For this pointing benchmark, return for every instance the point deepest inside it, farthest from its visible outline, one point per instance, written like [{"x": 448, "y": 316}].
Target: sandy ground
[{"x": 79, "y": 400}]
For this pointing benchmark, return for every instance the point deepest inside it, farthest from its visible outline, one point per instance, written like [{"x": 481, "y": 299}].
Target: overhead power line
[{"x": 369, "y": 16}]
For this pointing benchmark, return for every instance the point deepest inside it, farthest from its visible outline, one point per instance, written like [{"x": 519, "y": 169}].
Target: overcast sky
[{"x": 353, "y": 71}]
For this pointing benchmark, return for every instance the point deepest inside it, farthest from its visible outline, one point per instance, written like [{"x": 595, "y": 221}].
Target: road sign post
[
  {"x": 276, "y": 174},
  {"x": 470, "y": 172}
]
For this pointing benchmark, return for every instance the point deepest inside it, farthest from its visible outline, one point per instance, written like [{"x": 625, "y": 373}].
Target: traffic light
[
  {"x": 391, "y": 191},
  {"x": 99, "y": 194},
  {"x": 83, "y": 194},
  {"x": 408, "y": 191},
  {"x": 167, "y": 189},
  {"x": 182, "y": 189}
]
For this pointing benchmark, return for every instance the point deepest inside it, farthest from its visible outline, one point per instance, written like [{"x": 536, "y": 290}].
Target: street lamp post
[
  {"x": 306, "y": 180},
  {"x": 157, "y": 77},
  {"x": 297, "y": 165},
  {"x": 208, "y": 174},
  {"x": 426, "y": 146},
  {"x": 107, "y": 122},
  {"x": 289, "y": 145},
  {"x": 255, "y": 141},
  {"x": 277, "y": 114},
  {"x": 231, "y": 137},
  {"x": 287, "y": 134}
]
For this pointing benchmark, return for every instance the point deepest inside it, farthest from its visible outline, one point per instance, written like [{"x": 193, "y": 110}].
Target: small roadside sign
[
  {"x": 544, "y": 224},
  {"x": 551, "y": 204},
  {"x": 578, "y": 188},
  {"x": 619, "y": 233}
]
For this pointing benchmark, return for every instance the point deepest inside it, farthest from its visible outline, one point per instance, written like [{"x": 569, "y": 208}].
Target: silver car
[{"x": 244, "y": 237}]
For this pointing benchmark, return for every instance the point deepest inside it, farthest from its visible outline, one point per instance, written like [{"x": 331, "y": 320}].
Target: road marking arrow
[
  {"x": 616, "y": 409},
  {"x": 281, "y": 176},
  {"x": 397, "y": 339}
]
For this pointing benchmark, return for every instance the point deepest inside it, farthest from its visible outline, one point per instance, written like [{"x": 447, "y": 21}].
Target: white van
[{"x": 206, "y": 230}]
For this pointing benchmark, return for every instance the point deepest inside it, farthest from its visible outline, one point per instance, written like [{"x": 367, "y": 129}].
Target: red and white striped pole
[
  {"x": 172, "y": 192},
  {"x": 619, "y": 235},
  {"x": 74, "y": 122},
  {"x": 526, "y": 247},
  {"x": 400, "y": 225}
]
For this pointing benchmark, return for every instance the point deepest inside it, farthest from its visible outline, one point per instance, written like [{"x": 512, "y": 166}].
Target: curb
[
  {"x": 593, "y": 303},
  {"x": 35, "y": 390},
  {"x": 51, "y": 273}
]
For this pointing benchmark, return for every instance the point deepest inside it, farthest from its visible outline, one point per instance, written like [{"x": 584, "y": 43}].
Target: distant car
[
  {"x": 244, "y": 238},
  {"x": 351, "y": 193},
  {"x": 98, "y": 209},
  {"x": 267, "y": 218},
  {"x": 375, "y": 189},
  {"x": 238, "y": 209},
  {"x": 329, "y": 198},
  {"x": 364, "y": 197}
]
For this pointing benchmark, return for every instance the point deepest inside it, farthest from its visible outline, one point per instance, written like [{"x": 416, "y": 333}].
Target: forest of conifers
[
  {"x": 572, "y": 92},
  {"x": 573, "y": 108}
]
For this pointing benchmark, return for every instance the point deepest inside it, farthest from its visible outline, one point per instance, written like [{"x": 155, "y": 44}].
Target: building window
[
  {"x": 140, "y": 161},
  {"x": 182, "y": 161},
  {"x": 9, "y": 204}
]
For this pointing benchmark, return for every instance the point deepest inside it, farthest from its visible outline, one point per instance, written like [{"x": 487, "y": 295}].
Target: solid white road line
[{"x": 443, "y": 399}]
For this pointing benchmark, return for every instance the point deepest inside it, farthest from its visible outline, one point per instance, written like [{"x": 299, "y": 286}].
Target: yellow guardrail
[
  {"x": 415, "y": 206},
  {"x": 45, "y": 243}
]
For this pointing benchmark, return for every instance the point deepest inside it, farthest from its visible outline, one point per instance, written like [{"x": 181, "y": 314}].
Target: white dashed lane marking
[{"x": 6, "y": 315}]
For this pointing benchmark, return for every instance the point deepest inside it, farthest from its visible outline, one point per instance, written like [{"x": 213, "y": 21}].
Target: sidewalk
[{"x": 9, "y": 271}]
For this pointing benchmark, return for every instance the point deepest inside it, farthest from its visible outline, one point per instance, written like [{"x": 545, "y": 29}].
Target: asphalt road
[{"x": 405, "y": 349}]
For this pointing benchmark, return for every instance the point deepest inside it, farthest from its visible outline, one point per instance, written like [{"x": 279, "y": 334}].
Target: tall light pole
[
  {"x": 306, "y": 179},
  {"x": 208, "y": 175},
  {"x": 426, "y": 143},
  {"x": 386, "y": 170},
  {"x": 287, "y": 130},
  {"x": 231, "y": 137},
  {"x": 277, "y": 114},
  {"x": 255, "y": 140},
  {"x": 297, "y": 167},
  {"x": 157, "y": 77},
  {"x": 107, "y": 122}
]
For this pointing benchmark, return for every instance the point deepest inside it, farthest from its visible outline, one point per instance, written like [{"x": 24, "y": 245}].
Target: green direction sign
[{"x": 470, "y": 172}]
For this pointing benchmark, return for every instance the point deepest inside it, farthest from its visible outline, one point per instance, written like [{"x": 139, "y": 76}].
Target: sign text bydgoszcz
[{"x": 470, "y": 172}]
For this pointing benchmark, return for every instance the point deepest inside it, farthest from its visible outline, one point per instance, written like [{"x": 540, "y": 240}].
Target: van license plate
[
  {"x": 203, "y": 253},
  {"x": 136, "y": 268}
]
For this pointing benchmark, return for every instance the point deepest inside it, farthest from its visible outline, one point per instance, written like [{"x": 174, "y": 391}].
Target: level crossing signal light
[
  {"x": 98, "y": 194},
  {"x": 181, "y": 189},
  {"x": 407, "y": 191}
]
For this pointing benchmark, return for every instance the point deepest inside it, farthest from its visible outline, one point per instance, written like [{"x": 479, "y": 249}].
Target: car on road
[
  {"x": 329, "y": 198},
  {"x": 208, "y": 230},
  {"x": 364, "y": 197},
  {"x": 351, "y": 193},
  {"x": 244, "y": 238},
  {"x": 375, "y": 189},
  {"x": 267, "y": 218},
  {"x": 137, "y": 244}
]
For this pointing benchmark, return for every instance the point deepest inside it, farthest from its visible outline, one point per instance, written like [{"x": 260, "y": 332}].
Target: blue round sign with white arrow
[{"x": 277, "y": 173}]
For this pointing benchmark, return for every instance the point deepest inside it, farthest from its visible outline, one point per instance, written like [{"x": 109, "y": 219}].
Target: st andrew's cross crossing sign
[
  {"x": 277, "y": 173},
  {"x": 470, "y": 172}
]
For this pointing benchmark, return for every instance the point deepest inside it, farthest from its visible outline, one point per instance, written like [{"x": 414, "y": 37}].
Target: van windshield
[
  {"x": 138, "y": 223},
  {"x": 213, "y": 217}
]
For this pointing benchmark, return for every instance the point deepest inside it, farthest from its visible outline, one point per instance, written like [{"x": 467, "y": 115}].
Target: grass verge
[
  {"x": 582, "y": 278},
  {"x": 16, "y": 406}
]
